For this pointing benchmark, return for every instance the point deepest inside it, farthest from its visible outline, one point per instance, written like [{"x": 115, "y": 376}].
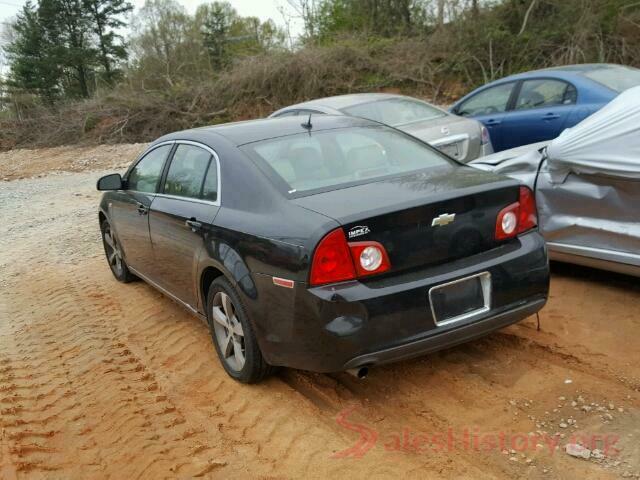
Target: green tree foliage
[
  {"x": 227, "y": 36},
  {"x": 105, "y": 19},
  {"x": 32, "y": 56},
  {"x": 167, "y": 47},
  {"x": 61, "y": 47}
]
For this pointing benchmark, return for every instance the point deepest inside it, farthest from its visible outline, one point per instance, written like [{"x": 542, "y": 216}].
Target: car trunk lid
[
  {"x": 424, "y": 218},
  {"x": 458, "y": 137}
]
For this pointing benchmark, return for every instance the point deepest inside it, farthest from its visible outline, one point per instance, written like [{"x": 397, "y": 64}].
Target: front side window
[
  {"x": 487, "y": 102},
  {"x": 395, "y": 111},
  {"x": 187, "y": 171},
  {"x": 545, "y": 93},
  {"x": 327, "y": 159},
  {"x": 145, "y": 175}
]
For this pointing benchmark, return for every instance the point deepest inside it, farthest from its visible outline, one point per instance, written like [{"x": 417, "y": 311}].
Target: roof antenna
[{"x": 307, "y": 125}]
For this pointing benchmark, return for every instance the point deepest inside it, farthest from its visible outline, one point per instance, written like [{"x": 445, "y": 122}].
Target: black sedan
[{"x": 328, "y": 245}]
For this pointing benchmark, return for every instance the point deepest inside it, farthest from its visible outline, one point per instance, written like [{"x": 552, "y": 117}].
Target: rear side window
[
  {"x": 145, "y": 175},
  {"x": 395, "y": 111},
  {"x": 187, "y": 171},
  {"x": 210, "y": 187},
  {"x": 617, "y": 79},
  {"x": 312, "y": 161},
  {"x": 545, "y": 93},
  {"x": 491, "y": 100}
]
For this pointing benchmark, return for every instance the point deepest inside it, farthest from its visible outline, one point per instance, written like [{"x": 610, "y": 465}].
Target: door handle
[
  {"x": 193, "y": 224},
  {"x": 491, "y": 123},
  {"x": 551, "y": 116},
  {"x": 142, "y": 210}
]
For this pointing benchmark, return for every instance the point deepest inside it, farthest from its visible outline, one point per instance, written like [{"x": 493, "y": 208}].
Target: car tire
[
  {"x": 233, "y": 335},
  {"x": 114, "y": 254}
]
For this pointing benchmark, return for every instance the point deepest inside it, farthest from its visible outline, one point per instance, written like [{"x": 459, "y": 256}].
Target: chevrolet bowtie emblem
[{"x": 444, "y": 219}]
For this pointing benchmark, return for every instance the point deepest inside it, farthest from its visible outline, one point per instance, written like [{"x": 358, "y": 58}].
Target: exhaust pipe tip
[{"x": 360, "y": 373}]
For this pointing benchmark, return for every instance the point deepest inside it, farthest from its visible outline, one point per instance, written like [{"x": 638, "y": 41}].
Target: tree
[
  {"x": 32, "y": 55},
  {"x": 168, "y": 46},
  {"x": 105, "y": 16},
  {"x": 216, "y": 19},
  {"x": 69, "y": 22}
]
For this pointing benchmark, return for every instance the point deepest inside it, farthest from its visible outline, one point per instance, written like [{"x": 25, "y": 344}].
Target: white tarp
[
  {"x": 588, "y": 186},
  {"x": 607, "y": 142}
]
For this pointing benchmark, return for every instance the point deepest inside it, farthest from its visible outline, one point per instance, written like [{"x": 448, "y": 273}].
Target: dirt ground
[{"x": 104, "y": 380}]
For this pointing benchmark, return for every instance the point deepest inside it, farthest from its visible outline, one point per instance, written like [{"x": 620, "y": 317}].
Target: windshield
[
  {"x": 395, "y": 111},
  {"x": 618, "y": 79},
  {"x": 330, "y": 158}
]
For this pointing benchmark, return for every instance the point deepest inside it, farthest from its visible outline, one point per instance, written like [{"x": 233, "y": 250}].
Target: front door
[
  {"x": 489, "y": 106},
  {"x": 179, "y": 218},
  {"x": 130, "y": 208}
]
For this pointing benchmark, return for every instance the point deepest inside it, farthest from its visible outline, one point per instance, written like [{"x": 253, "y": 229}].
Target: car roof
[
  {"x": 338, "y": 102},
  {"x": 565, "y": 70},
  {"x": 249, "y": 131}
]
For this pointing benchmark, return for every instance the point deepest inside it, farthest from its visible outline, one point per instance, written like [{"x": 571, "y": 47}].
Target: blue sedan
[{"x": 537, "y": 106}]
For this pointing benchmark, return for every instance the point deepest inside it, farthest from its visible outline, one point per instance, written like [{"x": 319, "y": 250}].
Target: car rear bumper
[
  {"x": 353, "y": 324},
  {"x": 448, "y": 338}
]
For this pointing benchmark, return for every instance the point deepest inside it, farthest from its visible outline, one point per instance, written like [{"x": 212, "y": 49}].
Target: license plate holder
[{"x": 460, "y": 299}]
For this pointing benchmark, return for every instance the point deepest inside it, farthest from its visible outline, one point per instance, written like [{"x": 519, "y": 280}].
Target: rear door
[
  {"x": 539, "y": 113},
  {"x": 129, "y": 210},
  {"x": 489, "y": 107},
  {"x": 179, "y": 217}
]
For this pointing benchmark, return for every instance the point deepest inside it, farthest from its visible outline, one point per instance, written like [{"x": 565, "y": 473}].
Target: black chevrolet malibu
[{"x": 332, "y": 244}]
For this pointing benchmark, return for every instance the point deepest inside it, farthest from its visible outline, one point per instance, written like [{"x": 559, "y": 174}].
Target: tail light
[
  {"x": 518, "y": 217},
  {"x": 369, "y": 258},
  {"x": 335, "y": 260},
  {"x": 486, "y": 138}
]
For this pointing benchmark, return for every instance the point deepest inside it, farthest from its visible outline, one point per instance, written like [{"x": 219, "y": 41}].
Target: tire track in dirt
[
  {"x": 52, "y": 415},
  {"x": 108, "y": 380}
]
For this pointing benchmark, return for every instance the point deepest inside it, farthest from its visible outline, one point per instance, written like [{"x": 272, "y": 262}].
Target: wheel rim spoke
[
  {"x": 112, "y": 258},
  {"x": 220, "y": 317},
  {"x": 237, "y": 353},
  {"x": 109, "y": 239},
  {"x": 237, "y": 327},
  {"x": 227, "y": 305},
  {"x": 227, "y": 346}
]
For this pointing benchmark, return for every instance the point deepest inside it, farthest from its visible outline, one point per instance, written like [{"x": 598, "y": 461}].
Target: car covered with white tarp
[{"x": 587, "y": 186}]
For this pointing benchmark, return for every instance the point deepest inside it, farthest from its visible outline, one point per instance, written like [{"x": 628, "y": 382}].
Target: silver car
[
  {"x": 587, "y": 186},
  {"x": 461, "y": 138}
]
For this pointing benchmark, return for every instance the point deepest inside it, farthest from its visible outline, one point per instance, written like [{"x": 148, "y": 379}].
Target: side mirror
[{"x": 110, "y": 182}]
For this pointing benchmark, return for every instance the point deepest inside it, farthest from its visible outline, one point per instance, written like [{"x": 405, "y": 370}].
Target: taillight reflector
[
  {"x": 369, "y": 258},
  {"x": 518, "y": 217},
  {"x": 335, "y": 260}
]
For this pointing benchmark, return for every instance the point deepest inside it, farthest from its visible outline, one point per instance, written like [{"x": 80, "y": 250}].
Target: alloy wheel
[
  {"x": 114, "y": 254},
  {"x": 228, "y": 331}
]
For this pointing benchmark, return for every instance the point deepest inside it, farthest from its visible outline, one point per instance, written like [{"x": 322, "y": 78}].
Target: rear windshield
[
  {"x": 317, "y": 161},
  {"x": 618, "y": 79},
  {"x": 395, "y": 111}
]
